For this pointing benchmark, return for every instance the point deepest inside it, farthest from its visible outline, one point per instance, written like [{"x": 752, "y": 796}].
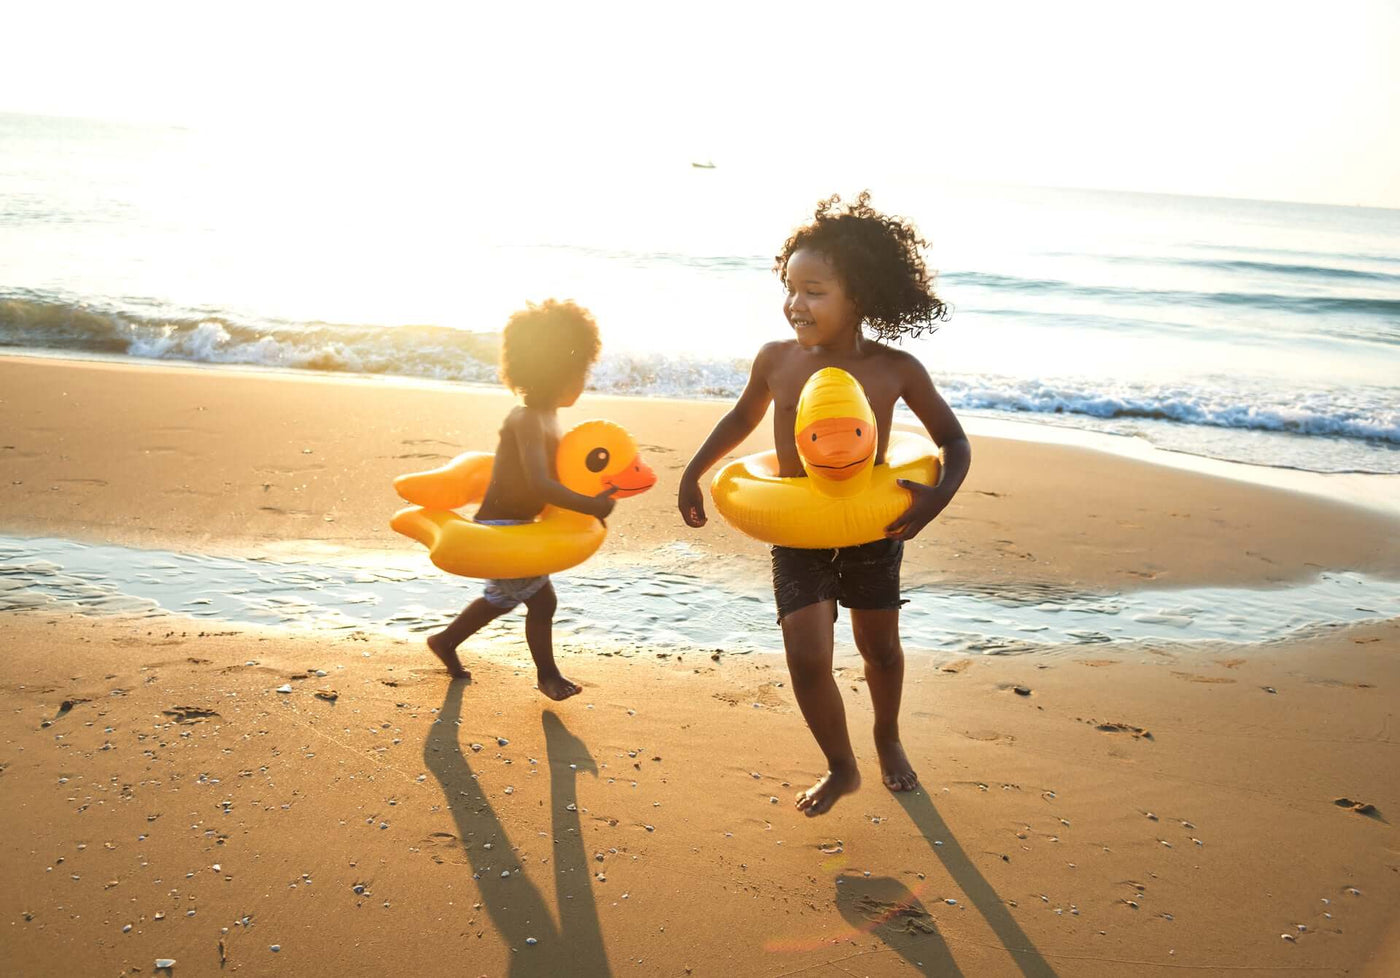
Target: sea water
[
  {"x": 1255, "y": 331},
  {"x": 642, "y": 609}
]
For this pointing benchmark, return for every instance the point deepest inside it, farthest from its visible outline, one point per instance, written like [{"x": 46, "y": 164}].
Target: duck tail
[{"x": 461, "y": 481}]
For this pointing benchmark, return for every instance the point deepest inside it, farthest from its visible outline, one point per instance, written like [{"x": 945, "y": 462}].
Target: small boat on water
[{"x": 707, "y": 165}]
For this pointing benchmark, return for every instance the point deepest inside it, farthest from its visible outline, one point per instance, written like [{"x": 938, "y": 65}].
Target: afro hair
[
  {"x": 879, "y": 261},
  {"x": 547, "y": 347}
]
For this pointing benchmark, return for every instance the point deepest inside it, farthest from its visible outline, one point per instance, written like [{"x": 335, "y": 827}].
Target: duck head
[
  {"x": 598, "y": 455},
  {"x": 835, "y": 432}
]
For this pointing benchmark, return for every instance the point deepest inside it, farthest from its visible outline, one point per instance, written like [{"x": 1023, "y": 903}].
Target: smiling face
[{"x": 818, "y": 308}]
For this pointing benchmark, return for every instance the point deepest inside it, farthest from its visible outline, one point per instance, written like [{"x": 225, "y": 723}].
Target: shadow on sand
[
  {"x": 886, "y": 908},
  {"x": 573, "y": 946},
  {"x": 975, "y": 887}
]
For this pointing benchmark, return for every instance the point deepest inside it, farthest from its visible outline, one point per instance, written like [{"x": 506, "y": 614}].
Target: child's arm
[
  {"x": 956, "y": 454},
  {"x": 733, "y": 428},
  {"x": 530, "y": 439}
]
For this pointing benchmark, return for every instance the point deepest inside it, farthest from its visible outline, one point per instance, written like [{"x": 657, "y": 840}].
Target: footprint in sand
[
  {"x": 984, "y": 786},
  {"x": 445, "y": 843},
  {"x": 1114, "y": 726},
  {"x": 1359, "y": 807},
  {"x": 908, "y": 918}
]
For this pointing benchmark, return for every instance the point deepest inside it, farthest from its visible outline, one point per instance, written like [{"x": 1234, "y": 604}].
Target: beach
[{"x": 1151, "y": 807}]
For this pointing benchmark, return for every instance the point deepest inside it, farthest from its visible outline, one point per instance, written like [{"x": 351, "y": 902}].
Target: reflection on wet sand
[{"x": 642, "y": 605}]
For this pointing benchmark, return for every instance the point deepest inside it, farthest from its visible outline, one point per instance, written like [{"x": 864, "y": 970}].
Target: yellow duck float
[
  {"x": 846, "y": 499},
  {"x": 592, "y": 457}
]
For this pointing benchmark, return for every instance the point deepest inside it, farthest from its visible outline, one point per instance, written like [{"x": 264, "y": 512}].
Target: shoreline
[
  {"x": 1377, "y": 491},
  {"x": 624, "y": 604},
  {"x": 246, "y": 462}
]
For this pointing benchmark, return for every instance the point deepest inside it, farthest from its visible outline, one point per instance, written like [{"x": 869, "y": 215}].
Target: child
[
  {"x": 851, "y": 265},
  {"x": 546, "y": 351}
]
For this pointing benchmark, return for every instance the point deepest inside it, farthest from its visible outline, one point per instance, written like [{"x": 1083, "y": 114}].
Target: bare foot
[
  {"x": 818, "y": 799},
  {"x": 895, "y": 769},
  {"x": 448, "y": 657},
  {"x": 556, "y": 687}
]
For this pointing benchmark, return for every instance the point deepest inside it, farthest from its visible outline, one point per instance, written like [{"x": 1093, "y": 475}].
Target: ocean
[{"x": 1252, "y": 331}]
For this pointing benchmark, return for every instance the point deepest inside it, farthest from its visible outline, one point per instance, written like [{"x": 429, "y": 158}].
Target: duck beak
[
  {"x": 838, "y": 448},
  {"x": 634, "y": 480}
]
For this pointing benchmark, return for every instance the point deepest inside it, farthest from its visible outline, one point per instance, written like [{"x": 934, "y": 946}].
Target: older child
[
  {"x": 850, "y": 265},
  {"x": 546, "y": 351}
]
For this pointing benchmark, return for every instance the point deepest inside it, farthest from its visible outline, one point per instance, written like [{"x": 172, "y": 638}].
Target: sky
[{"x": 1276, "y": 100}]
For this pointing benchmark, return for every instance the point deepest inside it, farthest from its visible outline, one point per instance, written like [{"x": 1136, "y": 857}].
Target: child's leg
[
  {"x": 539, "y": 634},
  {"x": 877, "y": 638},
  {"x": 473, "y": 618},
  {"x": 807, "y": 639}
]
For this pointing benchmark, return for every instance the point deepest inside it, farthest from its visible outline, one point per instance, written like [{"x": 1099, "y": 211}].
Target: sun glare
[{"x": 1245, "y": 99}]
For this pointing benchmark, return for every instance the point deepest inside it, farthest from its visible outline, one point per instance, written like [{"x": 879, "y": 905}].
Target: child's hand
[
  {"x": 691, "y": 502},
  {"x": 928, "y": 502},
  {"x": 605, "y": 504}
]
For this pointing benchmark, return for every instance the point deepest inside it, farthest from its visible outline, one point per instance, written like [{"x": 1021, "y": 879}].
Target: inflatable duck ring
[
  {"x": 846, "y": 499},
  {"x": 592, "y": 457}
]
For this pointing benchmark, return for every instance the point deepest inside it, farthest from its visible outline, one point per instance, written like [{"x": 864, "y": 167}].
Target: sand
[
  {"x": 1147, "y": 809},
  {"x": 181, "y": 457}
]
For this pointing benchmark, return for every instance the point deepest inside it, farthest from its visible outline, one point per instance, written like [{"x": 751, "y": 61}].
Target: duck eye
[
  {"x": 597, "y": 459},
  {"x": 814, "y": 436},
  {"x": 857, "y": 432}
]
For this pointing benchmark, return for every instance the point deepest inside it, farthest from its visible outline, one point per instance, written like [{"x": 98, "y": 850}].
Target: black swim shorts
[{"x": 864, "y": 577}]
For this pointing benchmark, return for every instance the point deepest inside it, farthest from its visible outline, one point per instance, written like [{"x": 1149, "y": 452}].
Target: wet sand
[
  {"x": 240, "y": 461},
  {"x": 1145, "y": 810}
]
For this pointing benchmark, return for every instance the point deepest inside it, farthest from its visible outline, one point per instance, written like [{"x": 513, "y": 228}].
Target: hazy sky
[{"x": 1283, "y": 100}]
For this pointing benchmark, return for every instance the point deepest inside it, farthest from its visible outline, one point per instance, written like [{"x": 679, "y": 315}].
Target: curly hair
[
  {"x": 546, "y": 347},
  {"x": 878, "y": 259}
]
